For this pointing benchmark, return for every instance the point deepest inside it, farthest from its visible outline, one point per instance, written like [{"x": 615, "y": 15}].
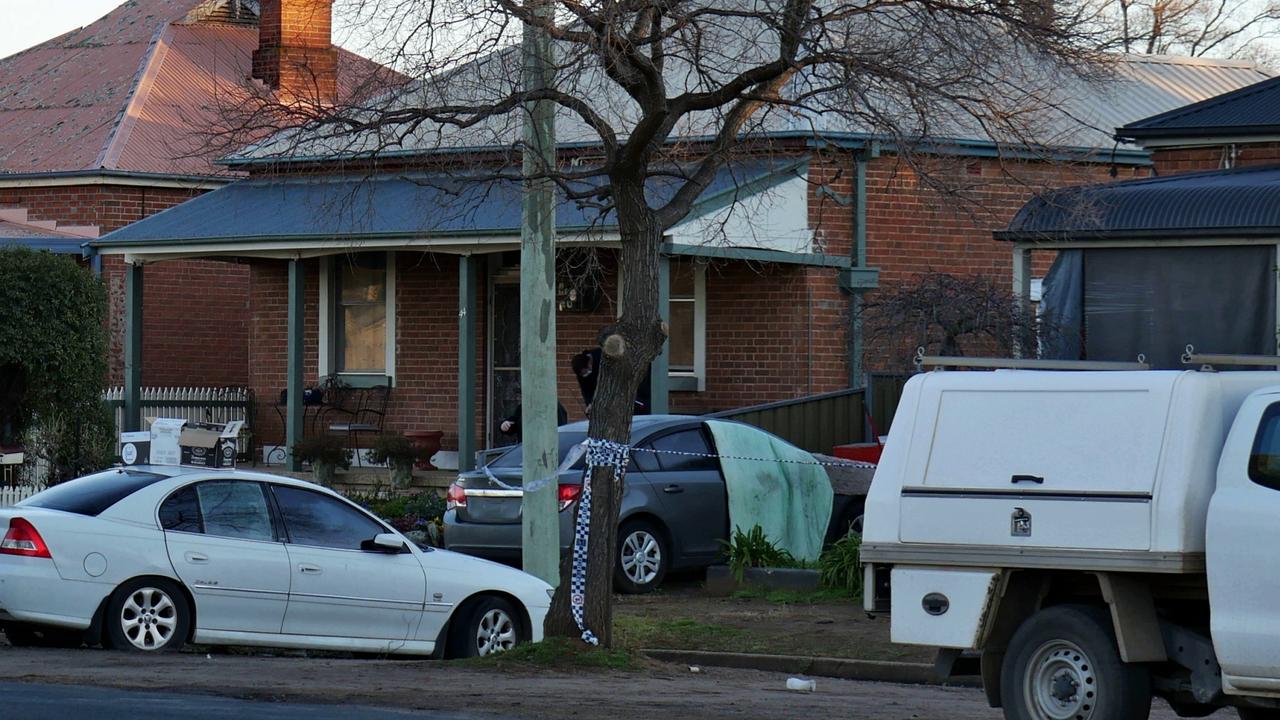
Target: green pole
[
  {"x": 659, "y": 371},
  {"x": 540, "y": 515},
  {"x": 859, "y": 258},
  {"x": 466, "y": 362},
  {"x": 133, "y": 348},
  {"x": 293, "y": 383}
]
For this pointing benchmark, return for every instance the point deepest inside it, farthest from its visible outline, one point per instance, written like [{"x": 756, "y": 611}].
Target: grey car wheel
[
  {"x": 491, "y": 625},
  {"x": 643, "y": 557},
  {"x": 147, "y": 615}
]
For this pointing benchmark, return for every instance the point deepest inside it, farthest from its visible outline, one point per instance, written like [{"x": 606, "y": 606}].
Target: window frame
[
  {"x": 1271, "y": 413},
  {"x": 328, "y": 325},
  {"x": 686, "y": 380},
  {"x": 707, "y": 441},
  {"x": 277, "y": 526},
  {"x": 287, "y": 538}
]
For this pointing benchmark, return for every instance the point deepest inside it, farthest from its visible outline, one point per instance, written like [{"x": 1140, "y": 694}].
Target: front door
[
  {"x": 338, "y": 589},
  {"x": 223, "y": 546},
  {"x": 1243, "y": 532},
  {"x": 504, "y": 357}
]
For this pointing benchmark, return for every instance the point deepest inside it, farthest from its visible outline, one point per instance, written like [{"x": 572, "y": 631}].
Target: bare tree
[
  {"x": 655, "y": 98},
  {"x": 949, "y": 315},
  {"x": 1217, "y": 28}
]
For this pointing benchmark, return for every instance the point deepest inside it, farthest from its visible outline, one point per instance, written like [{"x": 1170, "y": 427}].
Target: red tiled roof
[{"x": 129, "y": 92}]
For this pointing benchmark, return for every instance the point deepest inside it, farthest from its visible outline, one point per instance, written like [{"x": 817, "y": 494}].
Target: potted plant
[
  {"x": 326, "y": 454},
  {"x": 398, "y": 453}
]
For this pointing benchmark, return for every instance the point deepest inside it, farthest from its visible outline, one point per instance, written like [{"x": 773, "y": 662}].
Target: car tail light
[
  {"x": 22, "y": 539},
  {"x": 456, "y": 497},
  {"x": 569, "y": 494}
]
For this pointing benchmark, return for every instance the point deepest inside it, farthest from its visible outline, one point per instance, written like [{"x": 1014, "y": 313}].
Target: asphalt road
[{"x": 38, "y": 701}]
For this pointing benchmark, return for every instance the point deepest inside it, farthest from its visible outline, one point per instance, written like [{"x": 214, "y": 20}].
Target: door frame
[{"x": 509, "y": 275}]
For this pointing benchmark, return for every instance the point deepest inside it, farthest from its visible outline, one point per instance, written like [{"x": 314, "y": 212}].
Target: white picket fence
[
  {"x": 17, "y": 493},
  {"x": 204, "y": 404}
]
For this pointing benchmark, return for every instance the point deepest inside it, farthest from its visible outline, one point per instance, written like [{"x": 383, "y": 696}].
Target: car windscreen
[
  {"x": 92, "y": 494},
  {"x": 514, "y": 457}
]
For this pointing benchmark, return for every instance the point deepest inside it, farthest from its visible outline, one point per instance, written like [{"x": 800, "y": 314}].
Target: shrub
[
  {"x": 324, "y": 449},
  {"x": 840, "y": 567},
  {"x": 394, "y": 449},
  {"x": 53, "y": 361},
  {"x": 754, "y": 549}
]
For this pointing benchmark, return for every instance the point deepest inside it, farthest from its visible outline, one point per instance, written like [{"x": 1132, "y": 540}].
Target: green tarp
[{"x": 775, "y": 485}]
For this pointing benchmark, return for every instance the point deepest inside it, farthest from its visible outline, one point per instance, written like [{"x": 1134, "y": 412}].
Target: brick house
[
  {"x": 383, "y": 278},
  {"x": 1186, "y": 257},
  {"x": 99, "y": 129}
]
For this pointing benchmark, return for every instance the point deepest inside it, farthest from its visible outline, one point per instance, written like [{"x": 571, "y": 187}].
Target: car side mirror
[{"x": 384, "y": 542}]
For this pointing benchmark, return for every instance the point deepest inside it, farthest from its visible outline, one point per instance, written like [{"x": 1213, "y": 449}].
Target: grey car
[{"x": 674, "y": 508}]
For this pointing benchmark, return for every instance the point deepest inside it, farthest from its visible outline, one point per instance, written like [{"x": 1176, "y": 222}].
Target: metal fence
[
  {"x": 204, "y": 404},
  {"x": 815, "y": 423}
]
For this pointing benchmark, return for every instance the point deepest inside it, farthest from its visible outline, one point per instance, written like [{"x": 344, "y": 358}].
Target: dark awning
[{"x": 1242, "y": 203}]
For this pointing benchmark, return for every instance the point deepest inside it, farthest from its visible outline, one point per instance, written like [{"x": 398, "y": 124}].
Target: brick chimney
[{"x": 295, "y": 54}]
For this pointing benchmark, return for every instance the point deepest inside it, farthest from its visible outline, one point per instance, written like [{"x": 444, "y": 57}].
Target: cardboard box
[{"x": 176, "y": 441}]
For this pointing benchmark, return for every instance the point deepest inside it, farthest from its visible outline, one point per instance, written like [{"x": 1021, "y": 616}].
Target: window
[
  {"x": 92, "y": 494},
  {"x": 357, "y": 315},
  {"x": 692, "y": 440},
  {"x": 321, "y": 521},
  {"x": 235, "y": 509},
  {"x": 686, "y": 356},
  {"x": 181, "y": 512},
  {"x": 1264, "y": 459}
]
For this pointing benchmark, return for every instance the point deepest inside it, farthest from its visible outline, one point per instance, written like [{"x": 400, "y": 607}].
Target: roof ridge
[{"x": 125, "y": 120}]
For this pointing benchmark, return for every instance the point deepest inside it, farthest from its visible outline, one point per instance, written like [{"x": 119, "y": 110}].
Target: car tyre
[
  {"x": 1064, "y": 663},
  {"x": 23, "y": 635},
  {"x": 643, "y": 557},
  {"x": 148, "y": 615},
  {"x": 491, "y": 625}
]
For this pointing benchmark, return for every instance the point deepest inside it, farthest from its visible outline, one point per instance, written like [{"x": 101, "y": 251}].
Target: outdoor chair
[{"x": 364, "y": 416}]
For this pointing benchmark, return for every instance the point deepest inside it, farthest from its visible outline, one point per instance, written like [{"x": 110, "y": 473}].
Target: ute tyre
[
  {"x": 643, "y": 557},
  {"x": 148, "y": 615},
  {"x": 1063, "y": 664},
  {"x": 491, "y": 625}
]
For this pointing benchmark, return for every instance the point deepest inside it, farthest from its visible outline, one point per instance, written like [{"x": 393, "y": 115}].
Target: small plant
[
  {"x": 325, "y": 453},
  {"x": 398, "y": 453},
  {"x": 840, "y": 566},
  {"x": 753, "y": 549}
]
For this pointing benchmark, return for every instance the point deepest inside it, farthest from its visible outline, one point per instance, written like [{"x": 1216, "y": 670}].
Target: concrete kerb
[{"x": 845, "y": 669}]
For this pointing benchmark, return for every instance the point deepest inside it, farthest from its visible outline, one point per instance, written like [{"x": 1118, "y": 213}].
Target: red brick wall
[
  {"x": 195, "y": 322},
  {"x": 1177, "y": 160}
]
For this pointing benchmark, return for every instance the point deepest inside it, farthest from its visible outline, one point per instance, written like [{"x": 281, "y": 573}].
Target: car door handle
[
  {"x": 1027, "y": 478},
  {"x": 673, "y": 489},
  {"x": 309, "y": 569},
  {"x": 196, "y": 558}
]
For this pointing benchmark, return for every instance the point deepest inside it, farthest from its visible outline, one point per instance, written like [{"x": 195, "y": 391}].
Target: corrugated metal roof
[
  {"x": 1225, "y": 203},
  {"x": 351, "y": 208},
  {"x": 1248, "y": 111},
  {"x": 132, "y": 91}
]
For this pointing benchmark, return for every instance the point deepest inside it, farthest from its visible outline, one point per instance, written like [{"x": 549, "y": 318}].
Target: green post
[
  {"x": 466, "y": 362},
  {"x": 540, "y": 514},
  {"x": 293, "y": 384},
  {"x": 132, "y": 347},
  {"x": 859, "y": 258},
  {"x": 659, "y": 372}
]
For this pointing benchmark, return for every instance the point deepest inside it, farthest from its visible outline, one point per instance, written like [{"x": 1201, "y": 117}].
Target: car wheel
[
  {"x": 492, "y": 626},
  {"x": 643, "y": 557},
  {"x": 1064, "y": 664},
  {"x": 148, "y": 615},
  {"x": 22, "y": 635}
]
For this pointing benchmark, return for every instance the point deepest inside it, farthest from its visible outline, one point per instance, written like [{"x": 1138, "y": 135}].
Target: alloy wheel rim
[
  {"x": 1060, "y": 683},
  {"x": 641, "y": 557},
  {"x": 495, "y": 632},
  {"x": 149, "y": 618}
]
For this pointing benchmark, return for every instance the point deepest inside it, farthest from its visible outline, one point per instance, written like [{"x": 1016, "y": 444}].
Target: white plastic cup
[{"x": 801, "y": 685}]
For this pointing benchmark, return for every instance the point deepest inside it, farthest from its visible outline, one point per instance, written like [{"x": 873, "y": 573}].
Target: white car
[{"x": 148, "y": 558}]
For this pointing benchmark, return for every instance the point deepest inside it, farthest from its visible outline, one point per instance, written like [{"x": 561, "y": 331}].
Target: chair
[{"x": 365, "y": 416}]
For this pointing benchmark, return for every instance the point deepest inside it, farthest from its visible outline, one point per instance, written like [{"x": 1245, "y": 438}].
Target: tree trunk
[{"x": 628, "y": 347}]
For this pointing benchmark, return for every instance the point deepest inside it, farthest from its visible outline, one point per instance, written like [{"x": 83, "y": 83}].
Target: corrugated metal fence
[
  {"x": 815, "y": 423},
  {"x": 204, "y": 404}
]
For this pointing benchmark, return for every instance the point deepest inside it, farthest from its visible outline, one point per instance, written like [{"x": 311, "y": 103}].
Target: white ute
[{"x": 1100, "y": 537}]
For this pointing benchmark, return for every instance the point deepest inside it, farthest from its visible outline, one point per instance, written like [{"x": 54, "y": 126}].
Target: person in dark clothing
[
  {"x": 586, "y": 368},
  {"x": 513, "y": 426}
]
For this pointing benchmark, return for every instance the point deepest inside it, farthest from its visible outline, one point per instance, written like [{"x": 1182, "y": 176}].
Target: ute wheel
[
  {"x": 148, "y": 615},
  {"x": 491, "y": 625},
  {"x": 1063, "y": 664},
  {"x": 23, "y": 635},
  {"x": 643, "y": 557}
]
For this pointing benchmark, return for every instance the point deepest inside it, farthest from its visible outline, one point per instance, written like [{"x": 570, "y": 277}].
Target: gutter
[{"x": 61, "y": 178}]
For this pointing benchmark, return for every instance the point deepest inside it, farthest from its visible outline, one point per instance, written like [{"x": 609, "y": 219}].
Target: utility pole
[{"x": 540, "y": 524}]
